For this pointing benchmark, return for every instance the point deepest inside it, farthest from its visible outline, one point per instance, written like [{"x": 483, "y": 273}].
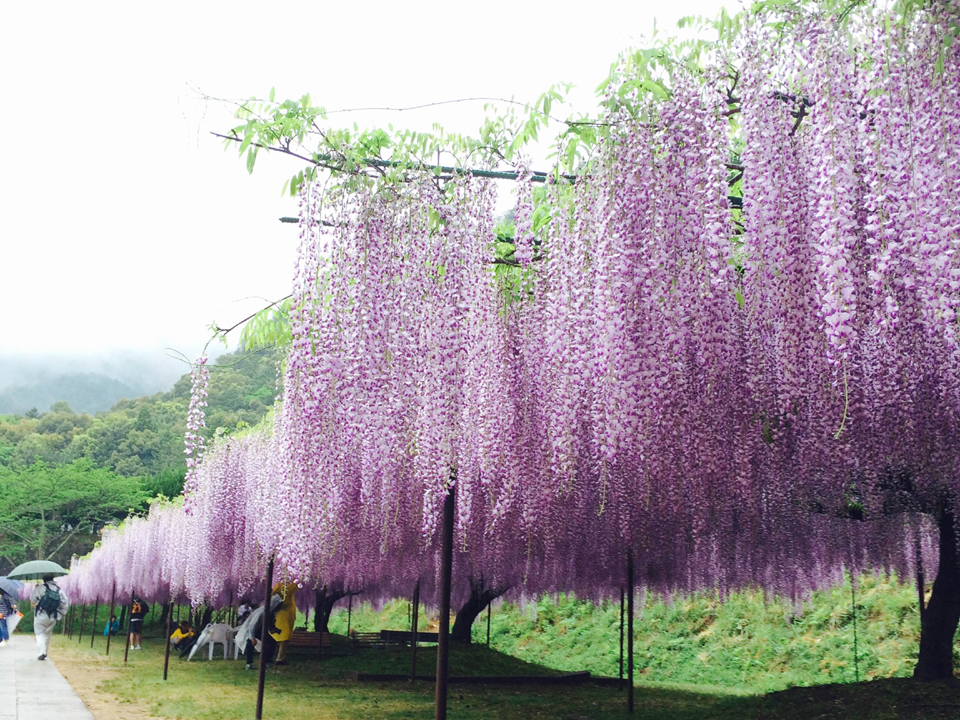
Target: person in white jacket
[{"x": 49, "y": 604}]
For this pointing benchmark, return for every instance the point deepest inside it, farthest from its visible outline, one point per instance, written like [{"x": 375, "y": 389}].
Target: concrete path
[{"x": 35, "y": 690}]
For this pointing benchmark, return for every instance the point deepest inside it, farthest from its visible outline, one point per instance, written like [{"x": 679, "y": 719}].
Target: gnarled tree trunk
[
  {"x": 942, "y": 615},
  {"x": 325, "y": 599},
  {"x": 480, "y": 597}
]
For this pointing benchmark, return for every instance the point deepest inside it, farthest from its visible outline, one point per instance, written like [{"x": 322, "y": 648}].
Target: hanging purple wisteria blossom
[{"x": 727, "y": 396}]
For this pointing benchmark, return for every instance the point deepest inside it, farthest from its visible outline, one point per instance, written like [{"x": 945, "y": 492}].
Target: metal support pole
[
  {"x": 630, "y": 631},
  {"x": 316, "y": 620},
  {"x": 920, "y": 580},
  {"x": 166, "y": 653},
  {"x": 620, "y": 686},
  {"x": 93, "y": 634},
  {"x": 443, "y": 634},
  {"x": 126, "y": 650},
  {"x": 349, "y": 612},
  {"x": 83, "y": 616},
  {"x": 113, "y": 597},
  {"x": 414, "y": 621},
  {"x": 267, "y": 622},
  {"x": 856, "y": 654},
  {"x": 489, "y": 606}
]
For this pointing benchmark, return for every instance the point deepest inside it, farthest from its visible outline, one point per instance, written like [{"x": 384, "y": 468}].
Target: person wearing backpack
[
  {"x": 138, "y": 611},
  {"x": 49, "y": 604}
]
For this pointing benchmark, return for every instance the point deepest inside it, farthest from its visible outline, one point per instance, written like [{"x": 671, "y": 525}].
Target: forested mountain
[
  {"x": 64, "y": 474},
  {"x": 84, "y": 391},
  {"x": 142, "y": 436},
  {"x": 83, "y": 381}
]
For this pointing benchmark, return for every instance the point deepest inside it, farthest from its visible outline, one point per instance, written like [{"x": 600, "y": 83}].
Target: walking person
[
  {"x": 49, "y": 604},
  {"x": 8, "y": 608},
  {"x": 249, "y": 634},
  {"x": 138, "y": 611}
]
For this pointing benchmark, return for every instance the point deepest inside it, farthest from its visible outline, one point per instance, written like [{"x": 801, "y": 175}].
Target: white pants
[{"x": 43, "y": 629}]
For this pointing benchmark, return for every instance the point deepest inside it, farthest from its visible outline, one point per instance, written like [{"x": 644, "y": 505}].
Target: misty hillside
[
  {"x": 146, "y": 371},
  {"x": 84, "y": 392}
]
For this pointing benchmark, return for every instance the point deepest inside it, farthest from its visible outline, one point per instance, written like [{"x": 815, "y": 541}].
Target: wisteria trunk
[
  {"x": 325, "y": 602},
  {"x": 942, "y": 615},
  {"x": 479, "y": 600},
  {"x": 205, "y": 618}
]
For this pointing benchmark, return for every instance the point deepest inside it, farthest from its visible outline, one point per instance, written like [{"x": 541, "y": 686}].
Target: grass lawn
[{"x": 219, "y": 690}]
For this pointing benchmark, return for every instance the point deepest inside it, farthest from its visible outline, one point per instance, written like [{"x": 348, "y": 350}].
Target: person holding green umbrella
[
  {"x": 48, "y": 600},
  {"x": 49, "y": 604}
]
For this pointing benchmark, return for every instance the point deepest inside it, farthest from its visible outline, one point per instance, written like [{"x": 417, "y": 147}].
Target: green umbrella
[{"x": 35, "y": 570}]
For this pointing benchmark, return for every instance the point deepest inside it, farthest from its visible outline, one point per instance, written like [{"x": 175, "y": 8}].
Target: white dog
[{"x": 212, "y": 634}]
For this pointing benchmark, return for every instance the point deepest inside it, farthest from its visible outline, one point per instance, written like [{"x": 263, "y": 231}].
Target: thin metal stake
[
  {"x": 443, "y": 634},
  {"x": 317, "y": 629},
  {"x": 126, "y": 650},
  {"x": 96, "y": 606},
  {"x": 856, "y": 654},
  {"x": 113, "y": 598},
  {"x": 920, "y": 580},
  {"x": 267, "y": 622},
  {"x": 414, "y": 621},
  {"x": 166, "y": 653},
  {"x": 630, "y": 631},
  {"x": 83, "y": 615},
  {"x": 620, "y": 685},
  {"x": 489, "y": 606}
]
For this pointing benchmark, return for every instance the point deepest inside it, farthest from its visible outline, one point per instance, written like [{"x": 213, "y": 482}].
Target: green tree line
[{"x": 65, "y": 475}]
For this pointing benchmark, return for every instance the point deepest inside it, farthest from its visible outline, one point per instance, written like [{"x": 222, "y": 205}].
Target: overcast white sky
[{"x": 125, "y": 226}]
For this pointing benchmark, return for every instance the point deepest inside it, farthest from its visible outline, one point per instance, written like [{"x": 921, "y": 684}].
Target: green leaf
[
  {"x": 273, "y": 93},
  {"x": 739, "y": 296}
]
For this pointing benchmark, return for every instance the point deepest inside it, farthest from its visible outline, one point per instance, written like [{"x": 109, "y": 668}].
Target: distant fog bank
[{"x": 87, "y": 383}]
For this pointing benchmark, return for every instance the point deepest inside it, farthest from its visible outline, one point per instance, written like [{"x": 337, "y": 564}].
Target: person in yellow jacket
[{"x": 285, "y": 618}]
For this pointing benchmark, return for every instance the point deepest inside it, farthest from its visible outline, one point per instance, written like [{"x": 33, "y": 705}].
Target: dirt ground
[{"x": 85, "y": 672}]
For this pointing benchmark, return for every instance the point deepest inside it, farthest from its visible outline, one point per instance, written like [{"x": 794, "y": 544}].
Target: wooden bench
[
  {"x": 405, "y": 637},
  {"x": 387, "y": 638},
  {"x": 305, "y": 639},
  {"x": 362, "y": 640}
]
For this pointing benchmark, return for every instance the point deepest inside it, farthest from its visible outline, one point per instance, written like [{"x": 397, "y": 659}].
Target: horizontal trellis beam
[{"x": 735, "y": 201}]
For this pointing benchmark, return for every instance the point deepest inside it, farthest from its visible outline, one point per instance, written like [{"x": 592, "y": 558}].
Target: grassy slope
[
  {"x": 698, "y": 659},
  {"x": 307, "y": 690},
  {"x": 740, "y": 644}
]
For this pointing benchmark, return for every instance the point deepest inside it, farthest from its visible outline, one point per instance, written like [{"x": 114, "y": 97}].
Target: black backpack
[{"x": 50, "y": 602}]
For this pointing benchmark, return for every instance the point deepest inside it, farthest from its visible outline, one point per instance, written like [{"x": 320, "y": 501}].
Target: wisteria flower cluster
[{"x": 721, "y": 395}]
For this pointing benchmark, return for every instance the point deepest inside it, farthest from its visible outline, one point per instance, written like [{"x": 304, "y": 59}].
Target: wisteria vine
[{"x": 723, "y": 394}]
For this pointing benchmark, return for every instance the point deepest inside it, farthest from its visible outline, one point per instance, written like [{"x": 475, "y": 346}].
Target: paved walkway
[{"x": 34, "y": 690}]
